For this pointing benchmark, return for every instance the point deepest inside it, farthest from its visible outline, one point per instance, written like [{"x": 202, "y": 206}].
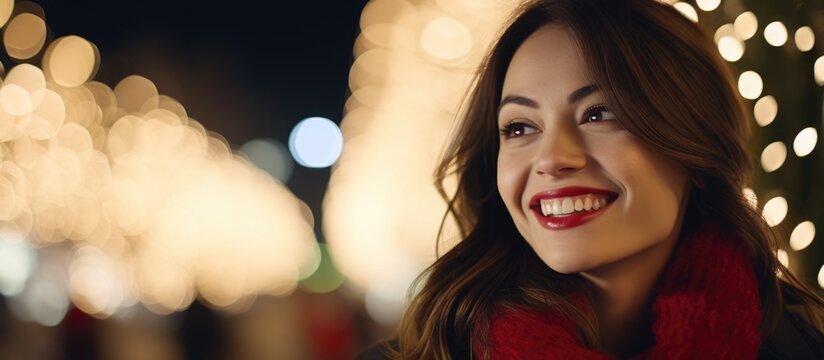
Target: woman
[{"x": 600, "y": 163}]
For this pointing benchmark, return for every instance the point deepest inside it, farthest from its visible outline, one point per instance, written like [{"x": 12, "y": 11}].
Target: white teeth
[
  {"x": 556, "y": 207},
  {"x": 569, "y": 205}
]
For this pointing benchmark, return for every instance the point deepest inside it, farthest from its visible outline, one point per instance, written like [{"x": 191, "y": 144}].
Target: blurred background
[{"x": 243, "y": 181}]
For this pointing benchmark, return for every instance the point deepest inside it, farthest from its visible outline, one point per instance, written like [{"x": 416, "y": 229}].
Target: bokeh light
[
  {"x": 708, "y": 5},
  {"x": 326, "y": 277},
  {"x": 775, "y": 33},
  {"x": 765, "y": 110},
  {"x": 805, "y": 141},
  {"x": 24, "y": 36},
  {"x": 804, "y": 38},
  {"x": 775, "y": 210},
  {"x": 783, "y": 257},
  {"x": 316, "y": 142},
  {"x": 17, "y": 262},
  {"x": 446, "y": 38},
  {"x": 70, "y": 61},
  {"x": 821, "y": 277},
  {"x": 802, "y": 236},
  {"x": 730, "y": 48},
  {"x": 751, "y": 197},
  {"x": 773, "y": 156},
  {"x": 271, "y": 156},
  {"x": 6, "y": 8},
  {"x": 746, "y": 25},
  {"x": 818, "y": 70},
  {"x": 750, "y": 85},
  {"x": 687, "y": 10}
]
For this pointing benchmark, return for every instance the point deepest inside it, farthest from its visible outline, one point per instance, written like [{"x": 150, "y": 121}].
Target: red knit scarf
[{"x": 706, "y": 307}]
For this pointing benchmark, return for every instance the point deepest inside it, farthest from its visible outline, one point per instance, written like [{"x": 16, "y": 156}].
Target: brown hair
[{"x": 682, "y": 103}]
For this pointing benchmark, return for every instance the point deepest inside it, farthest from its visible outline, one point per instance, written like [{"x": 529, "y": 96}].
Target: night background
[{"x": 314, "y": 264}]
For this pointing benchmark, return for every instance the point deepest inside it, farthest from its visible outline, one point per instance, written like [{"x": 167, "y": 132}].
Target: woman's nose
[{"x": 561, "y": 152}]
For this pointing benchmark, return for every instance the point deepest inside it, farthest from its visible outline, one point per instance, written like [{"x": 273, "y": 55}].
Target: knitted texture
[{"x": 706, "y": 306}]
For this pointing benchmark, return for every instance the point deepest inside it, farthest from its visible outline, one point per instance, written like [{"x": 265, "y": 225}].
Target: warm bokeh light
[
  {"x": 775, "y": 33},
  {"x": 746, "y": 25},
  {"x": 821, "y": 277},
  {"x": 730, "y": 48},
  {"x": 783, "y": 257},
  {"x": 805, "y": 141},
  {"x": 724, "y": 31},
  {"x": 818, "y": 70},
  {"x": 708, "y": 5},
  {"x": 17, "y": 262},
  {"x": 802, "y": 236},
  {"x": 6, "y": 8},
  {"x": 446, "y": 38},
  {"x": 765, "y": 110},
  {"x": 24, "y": 36},
  {"x": 687, "y": 10},
  {"x": 70, "y": 61},
  {"x": 773, "y": 156},
  {"x": 775, "y": 210},
  {"x": 804, "y": 38},
  {"x": 750, "y": 85},
  {"x": 751, "y": 197},
  {"x": 381, "y": 211}
]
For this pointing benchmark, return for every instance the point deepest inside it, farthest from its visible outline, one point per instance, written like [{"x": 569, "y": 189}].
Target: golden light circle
[
  {"x": 446, "y": 38},
  {"x": 765, "y": 110},
  {"x": 804, "y": 38},
  {"x": 708, "y": 5},
  {"x": 6, "y": 8},
  {"x": 750, "y": 85},
  {"x": 687, "y": 10},
  {"x": 818, "y": 70},
  {"x": 24, "y": 36},
  {"x": 726, "y": 30},
  {"x": 71, "y": 61},
  {"x": 775, "y": 210},
  {"x": 805, "y": 141},
  {"x": 730, "y": 48},
  {"x": 775, "y": 33},
  {"x": 746, "y": 25},
  {"x": 773, "y": 156},
  {"x": 802, "y": 236}
]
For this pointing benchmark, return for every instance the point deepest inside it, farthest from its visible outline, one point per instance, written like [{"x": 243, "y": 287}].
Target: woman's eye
[
  {"x": 598, "y": 113},
  {"x": 516, "y": 129}
]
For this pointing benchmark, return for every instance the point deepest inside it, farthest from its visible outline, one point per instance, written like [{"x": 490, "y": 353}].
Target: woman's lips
[{"x": 569, "y": 207}]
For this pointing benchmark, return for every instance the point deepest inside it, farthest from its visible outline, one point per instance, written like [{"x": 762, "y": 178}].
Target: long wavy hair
[{"x": 665, "y": 82}]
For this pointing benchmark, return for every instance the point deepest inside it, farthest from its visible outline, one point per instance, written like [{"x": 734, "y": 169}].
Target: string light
[
  {"x": 746, "y": 25},
  {"x": 775, "y": 33},
  {"x": 805, "y": 141},
  {"x": 765, "y": 110},
  {"x": 773, "y": 156},
  {"x": 687, "y": 10},
  {"x": 804, "y": 38},
  {"x": 708, "y": 5},
  {"x": 775, "y": 210},
  {"x": 802, "y": 236},
  {"x": 750, "y": 85}
]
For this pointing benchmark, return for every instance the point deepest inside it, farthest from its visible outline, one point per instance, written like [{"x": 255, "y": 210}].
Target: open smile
[{"x": 569, "y": 207}]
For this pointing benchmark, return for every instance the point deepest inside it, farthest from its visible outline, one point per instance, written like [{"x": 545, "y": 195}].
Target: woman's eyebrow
[{"x": 572, "y": 98}]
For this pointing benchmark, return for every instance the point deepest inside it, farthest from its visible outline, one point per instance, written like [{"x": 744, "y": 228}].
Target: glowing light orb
[
  {"x": 804, "y": 38},
  {"x": 271, "y": 156},
  {"x": 746, "y": 25},
  {"x": 71, "y": 61},
  {"x": 765, "y": 110},
  {"x": 775, "y": 33},
  {"x": 750, "y": 85},
  {"x": 773, "y": 156},
  {"x": 316, "y": 142},
  {"x": 805, "y": 141},
  {"x": 802, "y": 236},
  {"x": 687, "y": 10},
  {"x": 708, "y": 5},
  {"x": 775, "y": 210}
]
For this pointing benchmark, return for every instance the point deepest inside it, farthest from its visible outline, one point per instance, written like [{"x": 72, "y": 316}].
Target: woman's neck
[{"x": 623, "y": 297}]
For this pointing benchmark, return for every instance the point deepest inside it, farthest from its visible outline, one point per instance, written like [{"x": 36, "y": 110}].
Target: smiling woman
[{"x": 600, "y": 162}]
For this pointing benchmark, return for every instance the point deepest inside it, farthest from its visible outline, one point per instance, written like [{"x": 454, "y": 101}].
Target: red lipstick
[{"x": 567, "y": 221}]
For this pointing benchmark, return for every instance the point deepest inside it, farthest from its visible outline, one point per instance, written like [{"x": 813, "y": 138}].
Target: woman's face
[{"x": 582, "y": 191}]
